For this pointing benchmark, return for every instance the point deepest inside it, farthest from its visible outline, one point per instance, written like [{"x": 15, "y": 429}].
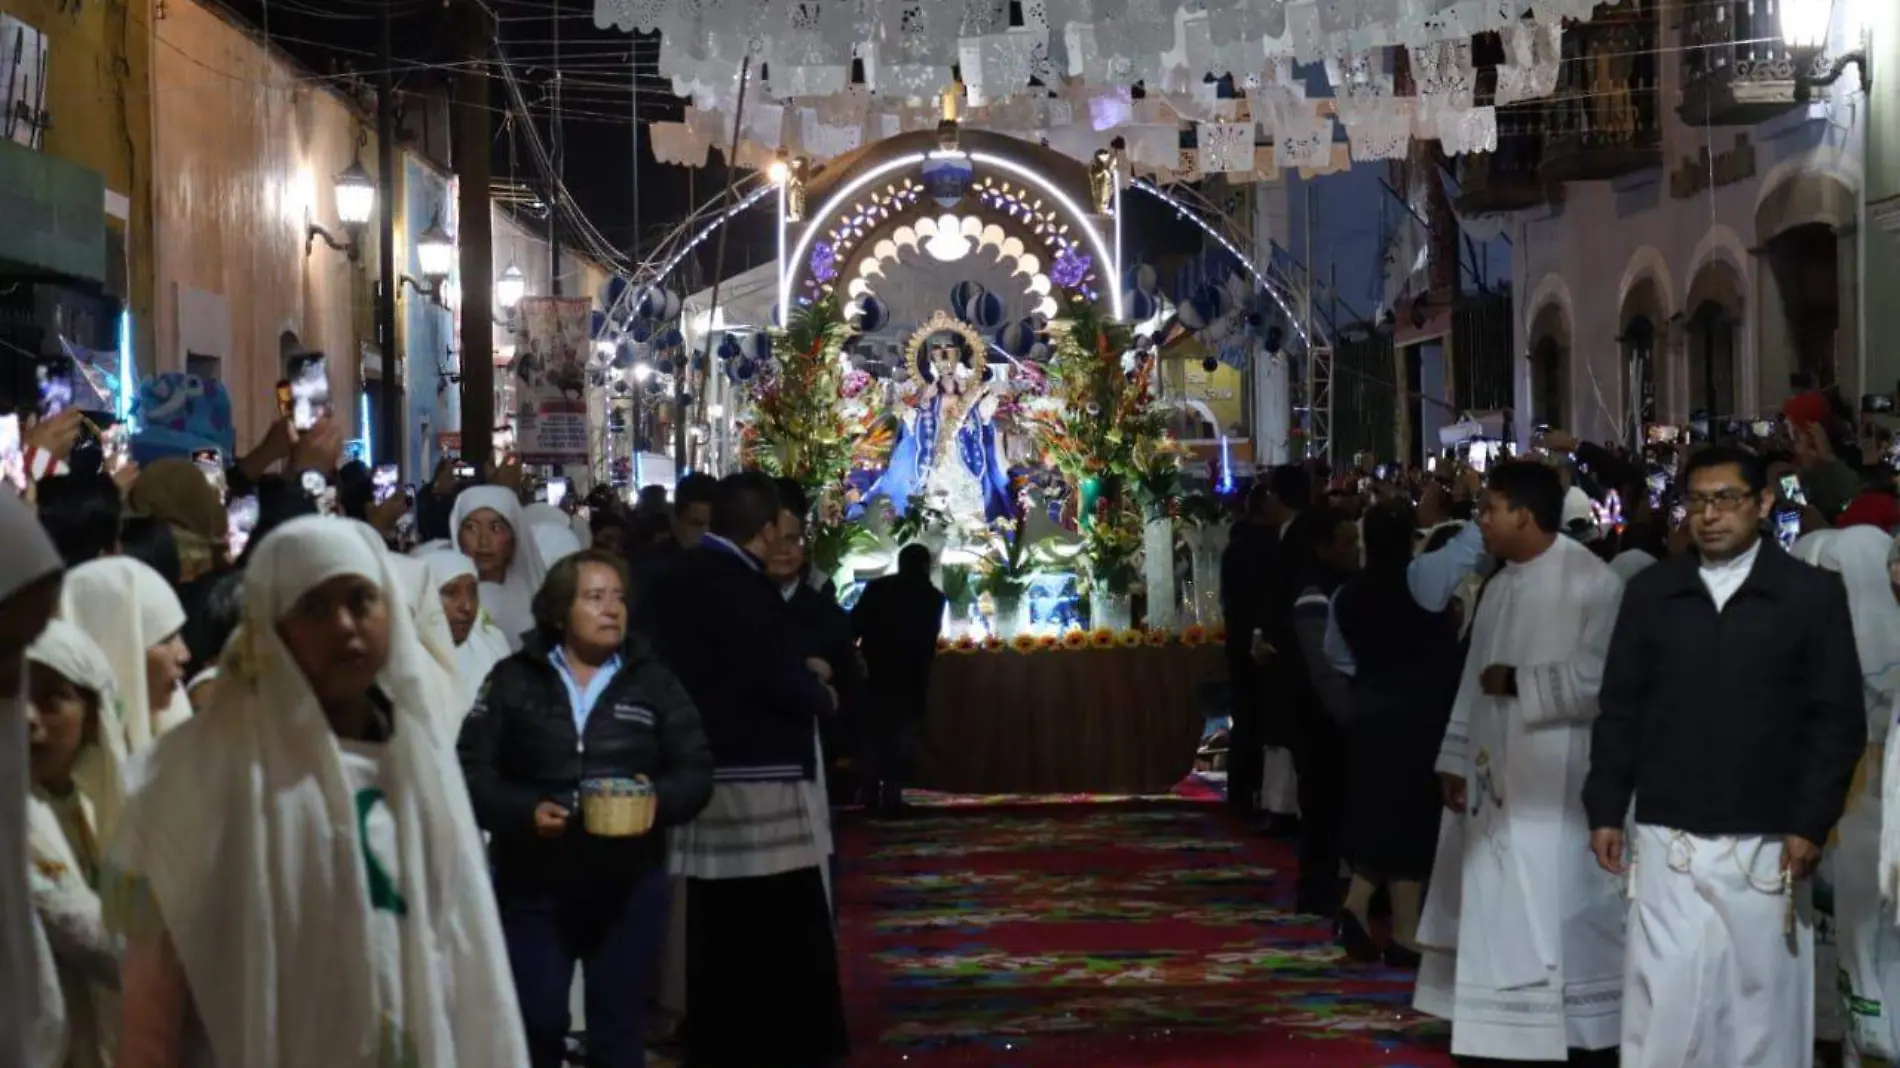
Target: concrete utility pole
[
  {"x": 392, "y": 439},
  {"x": 473, "y": 164}
]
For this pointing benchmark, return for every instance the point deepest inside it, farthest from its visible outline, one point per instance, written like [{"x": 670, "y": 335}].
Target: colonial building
[{"x": 1684, "y": 221}]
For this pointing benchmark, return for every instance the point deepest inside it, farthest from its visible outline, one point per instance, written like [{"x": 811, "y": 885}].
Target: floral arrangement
[
  {"x": 802, "y": 424},
  {"x": 1100, "y": 427},
  {"x": 919, "y": 516},
  {"x": 1006, "y": 570},
  {"x": 1078, "y": 641}
]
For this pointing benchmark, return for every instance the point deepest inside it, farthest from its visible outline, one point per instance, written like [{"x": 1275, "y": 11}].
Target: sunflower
[
  {"x": 1102, "y": 638},
  {"x": 1024, "y": 643},
  {"x": 1075, "y": 639},
  {"x": 1129, "y": 639},
  {"x": 1193, "y": 634},
  {"x": 965, "y": 644},
  {"x": 1157, "y": 637},
  {"x": 1047, "y": 642},
  {"x": 943, "y": 645},
  {"x": 992, "y": 644}
]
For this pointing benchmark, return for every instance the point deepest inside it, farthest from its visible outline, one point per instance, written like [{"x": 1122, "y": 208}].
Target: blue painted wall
[{"x": 433, "y": 404}]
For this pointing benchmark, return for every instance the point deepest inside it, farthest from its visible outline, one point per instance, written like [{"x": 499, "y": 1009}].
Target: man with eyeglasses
[{"x": 1731, "y": 710}]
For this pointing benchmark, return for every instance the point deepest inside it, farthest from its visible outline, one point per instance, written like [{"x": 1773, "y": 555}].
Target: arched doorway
[
  {"x": 1806, "y": 299},
  {"x": 1550, "y": 367},
  {"x": 1643, "y": 318},
  {"x": 1713, "y": 343},
  {"x": 1806, "y": 263}
]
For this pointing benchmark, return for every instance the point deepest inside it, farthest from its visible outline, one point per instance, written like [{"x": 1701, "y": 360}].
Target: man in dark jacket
[
  {"x": 1253, "y": 543},
  {"x": 897, "y": 620},
  {"x": 758, "y": 916},
  {"x": 581, "y": 702},
  {"x": 1731, "y": 709}
]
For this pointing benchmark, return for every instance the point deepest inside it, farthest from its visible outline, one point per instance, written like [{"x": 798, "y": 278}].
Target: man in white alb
[
  {"x": 1732, "y": 712},
  {"x": 1534, "y": 930}
]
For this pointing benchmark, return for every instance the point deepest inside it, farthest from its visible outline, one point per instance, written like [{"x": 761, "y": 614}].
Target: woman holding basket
[{"x": 579, "y": 751}]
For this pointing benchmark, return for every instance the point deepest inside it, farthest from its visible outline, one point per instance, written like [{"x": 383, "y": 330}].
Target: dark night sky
[{"x": 596, "y": 104}]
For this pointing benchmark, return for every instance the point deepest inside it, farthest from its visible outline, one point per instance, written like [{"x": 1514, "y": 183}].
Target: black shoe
[
  {"x": 1397, "y": 956},
  {"x": 1353, "y": 938}
]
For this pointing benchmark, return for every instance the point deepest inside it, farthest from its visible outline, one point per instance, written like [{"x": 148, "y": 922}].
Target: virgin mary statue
[{"x": 948, "y": 450}]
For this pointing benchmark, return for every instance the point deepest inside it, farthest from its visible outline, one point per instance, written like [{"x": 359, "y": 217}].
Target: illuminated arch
[{"x": 1017, "y": 160}]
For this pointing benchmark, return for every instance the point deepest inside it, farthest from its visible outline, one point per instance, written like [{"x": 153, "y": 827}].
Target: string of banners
[{"x": 1261, "y": 119}]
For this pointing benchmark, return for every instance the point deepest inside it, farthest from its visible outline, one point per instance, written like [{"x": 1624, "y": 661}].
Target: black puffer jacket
[{"x": 519, "y": 748}]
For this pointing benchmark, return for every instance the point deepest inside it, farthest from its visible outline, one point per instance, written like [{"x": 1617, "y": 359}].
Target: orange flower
[
  {"x": 1102, "y": 638},
  {"x": 1157, "y": 638},
  {"x": 1047, "y": 642},
  {"x": 965, "y": 644},
  {"x": 1217, "y": 633},
  {"x": 1129, "y": 639},
  {"x": 1075, "y": 639},
  {"x": 943, "y": 645},
  {"x": 1193, "y": 634},
  {"x": 992, "y": 644},
  {"x": 1024, "y": 643}
]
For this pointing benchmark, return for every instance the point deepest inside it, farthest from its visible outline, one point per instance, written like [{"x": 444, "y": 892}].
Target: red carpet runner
[{"x": 1106, "y": 936}]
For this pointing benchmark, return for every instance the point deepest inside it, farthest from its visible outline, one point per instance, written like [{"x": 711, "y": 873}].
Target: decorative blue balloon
[
  {"x": 1190, "y": 316},
  {"x": 664, "y": 365},
  {"x": 640, "y": 331},
  {"x": 962, "y": 296},
  {"x": 728, "y": 348},
  {"x": 1139, "y": 306},
  {"x": 672, "y": 339},
  {"x": 872, "y": 315},
  {"x": 653, "y": 385},
  {"x": 611, "y": 293},
  {"x": 758, "y": 347},
  {"x": 1017, "y": 338},
  {"x": 745, "y": 369},
  {"x": 986, "y": 312},
  {"x": 670, "y": 305},
  {"x": 596, "y": 324}
]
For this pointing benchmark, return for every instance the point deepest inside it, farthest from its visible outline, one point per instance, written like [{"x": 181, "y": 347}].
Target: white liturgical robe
[{"x": 1542, "y": 971}]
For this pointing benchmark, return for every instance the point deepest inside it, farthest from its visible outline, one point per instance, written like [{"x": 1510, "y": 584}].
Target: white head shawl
[
  {"x": 485, "y": 646},
  {"x": 555, "y": 543},
  {"x": 509, "y": 602},
  {"x": 32, "y": 1010},
  {"x": 126, "y": 607},
  {"x": 1859, "y": 556},
  {"x": 99, "y": 772},
  {"x": 245, "y": 833},
  {"x": 425, "y": 608}
]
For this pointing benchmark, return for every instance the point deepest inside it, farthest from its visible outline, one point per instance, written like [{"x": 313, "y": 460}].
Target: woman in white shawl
[
  {"x": 30, "y": 1001},
  {"x": 479, "y": 644},
  {"x": 77, "y": 752},
  {"x": 297, "y": 874},
  {"x": 489, "y": 527},
  {"x": 136, "y": 618},
  {"x": 1866, "y": 944}
]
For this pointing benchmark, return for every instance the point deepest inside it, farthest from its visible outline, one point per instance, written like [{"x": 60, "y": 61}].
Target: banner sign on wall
[{"x": 550, "y": 372}]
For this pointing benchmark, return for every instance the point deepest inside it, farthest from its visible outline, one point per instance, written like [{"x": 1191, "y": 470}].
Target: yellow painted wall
[
  {"x": 98, "y": 78},
  {"x": 247, "y": 147}
]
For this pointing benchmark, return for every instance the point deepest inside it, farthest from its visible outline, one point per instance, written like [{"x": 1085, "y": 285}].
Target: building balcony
[
  {"x": 1604, "y": 119},
  {"x": 1736, "y": 69},
  {"x": 1509, "y": 179}
]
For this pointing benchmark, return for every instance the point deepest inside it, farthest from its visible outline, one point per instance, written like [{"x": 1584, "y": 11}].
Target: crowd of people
[
  {"x": 1613, "y": 784},
  {"x": 331, "y": 799}
]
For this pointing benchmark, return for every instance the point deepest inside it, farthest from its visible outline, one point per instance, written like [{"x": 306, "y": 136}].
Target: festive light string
[{"x": 1260, "y": 279}]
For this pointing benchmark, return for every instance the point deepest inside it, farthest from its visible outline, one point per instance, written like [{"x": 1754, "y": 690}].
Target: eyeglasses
[{"x": 1727, "y": 500}]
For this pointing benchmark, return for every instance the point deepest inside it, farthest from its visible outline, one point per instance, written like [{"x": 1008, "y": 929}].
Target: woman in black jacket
[{"x": 581, "y": 701}]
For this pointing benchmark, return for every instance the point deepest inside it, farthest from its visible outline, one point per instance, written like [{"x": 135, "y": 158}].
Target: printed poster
[{"x": 550, "y": 373}]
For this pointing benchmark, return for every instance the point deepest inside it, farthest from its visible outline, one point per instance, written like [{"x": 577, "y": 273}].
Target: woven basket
[{"x": 617, "y": 808}]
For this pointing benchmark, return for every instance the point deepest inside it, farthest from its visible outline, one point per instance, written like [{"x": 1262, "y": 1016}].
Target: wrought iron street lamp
[
  {"x": 355, "y": 203},
  {"x": 1805, "y": 25}
]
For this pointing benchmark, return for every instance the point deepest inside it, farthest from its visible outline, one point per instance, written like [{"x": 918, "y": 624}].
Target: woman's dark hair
[
  {"x": 151, "y": 542},
  {"x": 791, "y": 497},
  {"x": 279, "y": 500},
  {"x": 213, "y": 606},
  {"x": 355, "y": 490},
  {"x": 81, "y": 514},
  {"x": 555, "y": 598},
  {"x": 1388, "y": 531}
]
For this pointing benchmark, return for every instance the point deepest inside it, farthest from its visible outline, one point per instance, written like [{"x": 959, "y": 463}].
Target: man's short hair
[
  {"x": 696, "y": 488},
  {"x": 791, "y": 497},
  {"x": 914, "y": 560},
  {"x": 1293, "y": 484},
  {"x": 1754, "y": 473},
  {"x": 1533, "y": 487},
  {"x": 742, "y": 505},
  {"x": 81, "y": 514},
  {"x": 555, "y": 599}
]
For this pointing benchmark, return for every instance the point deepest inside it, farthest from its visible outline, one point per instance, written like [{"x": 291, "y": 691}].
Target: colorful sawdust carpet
[{"x": 1111, "y": 936}]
